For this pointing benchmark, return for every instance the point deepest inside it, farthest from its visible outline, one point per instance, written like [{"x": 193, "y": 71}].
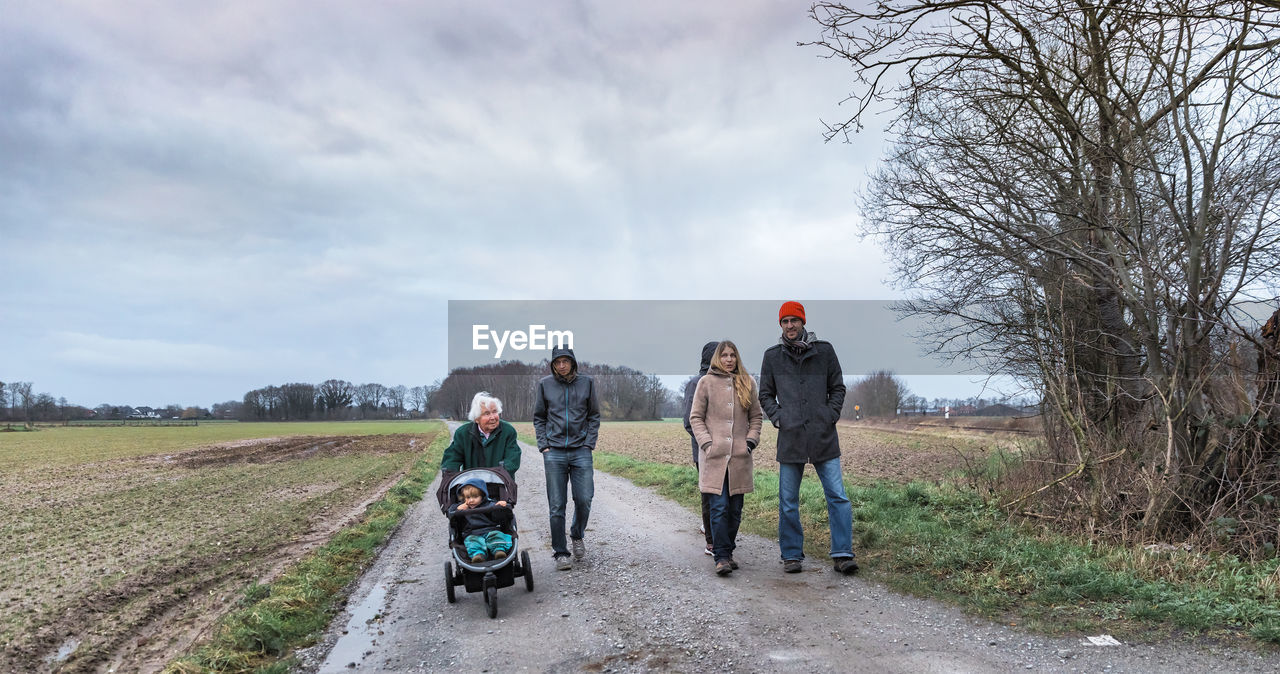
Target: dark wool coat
[
  {"x": 723, "y": 428},
  {"x": 469, "y": 450},
  {"x": 803, "y": 396}
]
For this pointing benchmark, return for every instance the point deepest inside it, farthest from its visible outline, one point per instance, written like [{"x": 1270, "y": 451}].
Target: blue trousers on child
[{"x": 487, "y": 544}]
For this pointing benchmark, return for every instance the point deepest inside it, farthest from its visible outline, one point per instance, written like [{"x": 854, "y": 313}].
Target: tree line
[
  {"x": 20, "y": 404},
  {"x": 624, "y": 394},
  {"x": 881, "y": 394},
  {"x": 332, "y": 399}
]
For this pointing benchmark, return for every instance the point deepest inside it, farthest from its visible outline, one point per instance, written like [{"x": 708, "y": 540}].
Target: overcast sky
[{"x": 198, "y": 199}]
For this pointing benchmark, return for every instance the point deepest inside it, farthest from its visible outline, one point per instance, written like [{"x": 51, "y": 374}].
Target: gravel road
[{"x": 645, "y": 599}]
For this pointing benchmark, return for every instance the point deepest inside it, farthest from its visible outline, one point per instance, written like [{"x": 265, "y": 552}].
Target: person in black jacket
[
  {"x": 708, "y": 350},
  {"x": 802, "y": 391},
  {"x": 566, "y": 419}
]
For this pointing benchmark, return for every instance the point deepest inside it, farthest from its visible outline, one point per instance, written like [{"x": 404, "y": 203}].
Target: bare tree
[
  {"x": 879, "y": 394},
  {"x": 335, "y": 396},
  {"x": 21, "y": 398},
  {"x": 1086, "y": 194},
  {"x": 299, "y": 401},
  {"x": 418, "y": 399},
  {"x": 368, "y": 397},
  {"x": 395, "y": 399}
]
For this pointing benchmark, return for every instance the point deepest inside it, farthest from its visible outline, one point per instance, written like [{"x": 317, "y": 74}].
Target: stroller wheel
[
  {"x": 528, "y": 571},
  {"x": 448, "y": 582},
  {"x": 491, "y": 598}
]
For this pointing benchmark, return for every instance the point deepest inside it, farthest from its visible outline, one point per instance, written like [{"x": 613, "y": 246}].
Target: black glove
[{"x": 751, "y": 445}]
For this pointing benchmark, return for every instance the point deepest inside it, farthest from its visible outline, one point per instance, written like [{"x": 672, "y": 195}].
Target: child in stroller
[
  {"x": 483, "y": 541},
  {"x": 482, "y": 531}
]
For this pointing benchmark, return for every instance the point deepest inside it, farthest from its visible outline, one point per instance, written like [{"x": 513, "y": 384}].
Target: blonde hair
[
  {"x": 743, "y": 385},
  {"x": 466, "y": 490}
]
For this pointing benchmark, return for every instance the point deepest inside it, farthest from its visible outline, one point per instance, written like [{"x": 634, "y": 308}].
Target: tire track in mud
[{"x": 142, "y": 621}]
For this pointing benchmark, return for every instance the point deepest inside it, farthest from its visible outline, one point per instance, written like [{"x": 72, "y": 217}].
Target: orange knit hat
[{"x": 791, "y": 309}]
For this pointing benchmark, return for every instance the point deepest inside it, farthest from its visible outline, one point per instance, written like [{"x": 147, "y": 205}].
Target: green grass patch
[
  {"x": 946, "y": 542},
  {"x": 272, "y": 620}
]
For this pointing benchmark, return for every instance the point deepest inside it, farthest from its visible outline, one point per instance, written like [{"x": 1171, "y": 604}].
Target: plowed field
[
  {"x": 120, "y": 562},
  {"x": 869, "y": 453}
]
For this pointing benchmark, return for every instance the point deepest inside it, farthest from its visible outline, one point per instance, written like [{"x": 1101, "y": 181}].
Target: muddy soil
[
  {"x": 276, "y": 450},
  {"x": 144, "y": 619},
  {"x": 644, "y": 598}
]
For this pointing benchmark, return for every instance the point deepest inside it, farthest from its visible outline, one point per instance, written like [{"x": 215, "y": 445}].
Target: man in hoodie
[
  {"x": 708, "y": 350},
  {"x": 566, "y": 419},
  {"x": 802, "y": 391}
]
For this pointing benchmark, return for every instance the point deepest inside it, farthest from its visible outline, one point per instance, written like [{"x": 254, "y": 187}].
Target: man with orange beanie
[{"x": 802, "y": 391}]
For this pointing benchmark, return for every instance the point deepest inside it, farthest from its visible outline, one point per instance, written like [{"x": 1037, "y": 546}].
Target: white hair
[{"x": 482, "y": 401}]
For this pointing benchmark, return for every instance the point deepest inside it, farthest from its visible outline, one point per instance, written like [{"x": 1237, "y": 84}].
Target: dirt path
[{"x": 645, "y": 599}]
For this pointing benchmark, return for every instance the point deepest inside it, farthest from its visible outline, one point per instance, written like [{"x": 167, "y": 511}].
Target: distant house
[{"x": 998, "y": 410}]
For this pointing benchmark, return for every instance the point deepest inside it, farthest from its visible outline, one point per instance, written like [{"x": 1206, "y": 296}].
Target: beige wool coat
[{"x": 722, "y": 428}]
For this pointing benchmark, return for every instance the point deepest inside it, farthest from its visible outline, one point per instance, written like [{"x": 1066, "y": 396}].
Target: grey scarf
[{"x": 799, "y": 345}]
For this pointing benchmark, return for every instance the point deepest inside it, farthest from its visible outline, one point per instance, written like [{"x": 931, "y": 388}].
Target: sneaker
[
  {"x": 733, "y": 564},
  {"x": 791, "y": 565},
  {"x": 709, "y": 551},
  {"x": 845, "y": 565},
  {"x": 476, "y": 559},
  {"x": 578, "y": 548},
  {"x": 563, "y": 563},
  {"x": 723, "y": 568},
  {"x": 501, "y": 554}
]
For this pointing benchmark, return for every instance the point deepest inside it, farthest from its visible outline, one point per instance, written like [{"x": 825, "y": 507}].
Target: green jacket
[{"x": 468, "y": 450}]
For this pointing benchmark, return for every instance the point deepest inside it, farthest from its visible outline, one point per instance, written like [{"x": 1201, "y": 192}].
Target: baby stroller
[{"x": 489, "y": 575}]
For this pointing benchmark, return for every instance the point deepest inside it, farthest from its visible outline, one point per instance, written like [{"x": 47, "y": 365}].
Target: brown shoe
[
  {"x": 845, "y": 565},
  {"x": 723, "y": 568},
  {"x": 792, "y": 566},
  {"x": 476, "y": 559},
  {"x": 733, "y": 564},
  {"x": 501, "y": 554}
]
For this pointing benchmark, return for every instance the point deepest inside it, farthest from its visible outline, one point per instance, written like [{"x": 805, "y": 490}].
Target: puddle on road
[
  {"x": 64, "y": 651},
  {"x": 361, "y": 632}
]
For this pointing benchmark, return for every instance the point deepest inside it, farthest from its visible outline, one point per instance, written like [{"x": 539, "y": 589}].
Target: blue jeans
[
  {"x": 726, "y": 516},
  {"x": 839, "y": 510},
  {"x": 564, "y": 467}
]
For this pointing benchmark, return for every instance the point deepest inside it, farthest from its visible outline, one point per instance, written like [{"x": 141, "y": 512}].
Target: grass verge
[
  {"x": 271, "y": 620},
  {"x": 947, "y": 543}
]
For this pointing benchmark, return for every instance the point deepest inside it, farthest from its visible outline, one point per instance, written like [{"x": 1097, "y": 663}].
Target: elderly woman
[{"x": 484, "y": 442}]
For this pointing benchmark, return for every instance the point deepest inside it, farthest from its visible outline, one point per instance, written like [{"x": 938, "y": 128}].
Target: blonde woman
[{"x": 726, "y": 420}]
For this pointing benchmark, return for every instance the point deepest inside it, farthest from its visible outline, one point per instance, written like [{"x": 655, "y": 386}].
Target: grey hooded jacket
[{"x": 566, "y": 414}]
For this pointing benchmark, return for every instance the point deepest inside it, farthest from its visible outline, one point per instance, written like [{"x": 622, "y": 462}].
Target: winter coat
[
  {"x": 480, "y": 523},
  {"x": 708, "y": 350},
  {"x": 565, "y": 412},
  {"x": 802, "y": 396},
  {"x": 469, "y": 449},
  {"x": 723, "y": 430}
]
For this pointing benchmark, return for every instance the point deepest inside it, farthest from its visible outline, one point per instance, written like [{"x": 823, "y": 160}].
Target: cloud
[
  {"x": 142, "y": 356},
  {"x": 187, "y": 183}
]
